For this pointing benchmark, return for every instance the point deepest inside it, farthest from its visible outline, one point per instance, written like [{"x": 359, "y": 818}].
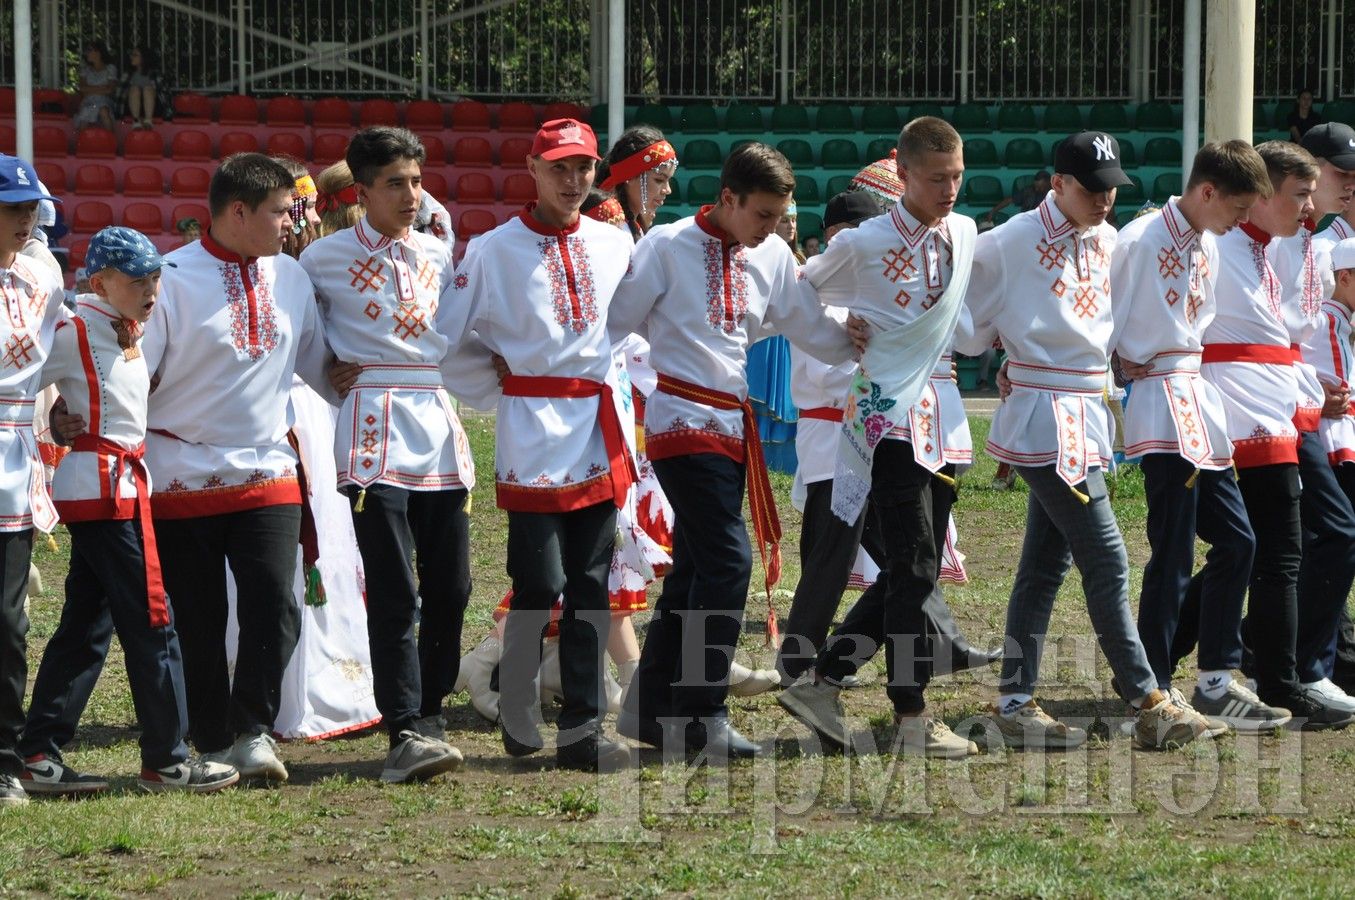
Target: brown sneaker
[
  {"x": 926, "y": 735},
  {"x": 1163, "y": 725},
  {"x": 1032, "y": 728}
]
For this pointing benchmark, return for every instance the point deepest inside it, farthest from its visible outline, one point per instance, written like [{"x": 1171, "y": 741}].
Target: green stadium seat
[
  {"x": 701, "y": 153},
  {"x": 980, "y": 153},
  {"x": 839, "y": 153},
  {"x": 881, "y": 120},
  {"x": 699, "y": 118},
  {"x": 880, "y": 147},
  {"x": 790, "y": 119},
  {"x": 837, "y": 184},
  {"x": 1016, "y": 117},
  {"x": 666, "y": 216},
  {"x": 983, "y": 190},
  {"x": 1020, "y": 182},
  {"x": 970, "y": 117},
  {"x": 1023, "y": 153},
  {"x": 676, "y": 196},
  {"x": 1131, "y": 194},
  {"x": 1339, "y": 111},
  {"x": 1063, "y": 118},
  {"x": 1162, "y": 151},
  {"x": 1108, "y": 116},
  {"x": 1260, "y": 116},
  {"x": 1155, "y": 116},
  {"x": 807, "y": 223},
  {"x": 1166, "y": 185},
  {"x": 744, "y": 141},
  {"x": 661, "y": 117},
  {"x": 1281, "y": 117},
  {"x": 926, "y": 109},
  {"x": 807, "y": 190},
  {"x": 1129, "y": 156},
  {"x": 835, "y": 118},
  {"x": 703, "y": 189},
  {"x": 798, "y": 151},
  {"x": 744, "y": 118}
]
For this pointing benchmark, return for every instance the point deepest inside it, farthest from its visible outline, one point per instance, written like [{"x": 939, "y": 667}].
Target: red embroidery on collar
[
  {"x": 535, "y": 224},
  {"x": 221, "y": 253},
  {"x": 1255, "y": 233}
]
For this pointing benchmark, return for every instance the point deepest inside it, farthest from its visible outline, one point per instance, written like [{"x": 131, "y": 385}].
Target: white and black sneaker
[
  {"x": 11, "y": 792},
  {"x": 1241, "y": 708},
  {"x": 50, "y": 777},
  {"x": 254, "y": 756},
  {"x": 417, "y": 757},
  {"x": 195, "y": 776}
]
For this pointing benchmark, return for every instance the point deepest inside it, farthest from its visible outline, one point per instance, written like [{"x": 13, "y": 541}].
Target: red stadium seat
[
  {"x": 143, "y": 181},
  {"x": 565, "y": 111},
  {"x": 189, "y": 181},
  {"x": 8, "y": 139},
  {"x": 7, "y": 102},
  {"x": 190, "y": 211},
  {"x": 286, "y": 143},
  {"x": 49, "y": 103},
  {"x": 435, "y": 152},
  {"x": 96, "y": 143},
  {"x": 475, "y": 221},
  {"x": 49, "y": 140},
  {"x": 143, "y": 217},
  {"x": 237, "y": 109},
  {"x": 378, "y": 112},
  {"x": 424, "y": 115},
  {"x": 475, "y": 187},
  {"x": 144, "y": 145},
  {"x": 233, "y": 142},
  {"x": 472, "y": 151},
  {"x": 470, "y": 115},
  {"x": 331, "y": 112},
  {"x": 53, "y": 176},
  {"x": 285, "y": 111},
  {"x": 519, "y": 188},
  {"x": 192, "y": 108},
  {"x": 517, "y": 117},
  {"x": 95, "y": 181},
  {"x": 78, "y": 249},
  {"x": 513, "y": 153},
  {"x": 329, "y": 148},
  {"x": 90, "y": 216},
  {"x": 191, "y": 146},
  {"x": 435, "y": 184}
]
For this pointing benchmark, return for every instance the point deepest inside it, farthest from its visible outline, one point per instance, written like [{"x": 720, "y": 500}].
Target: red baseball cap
[{"x": 559, "y": 138}]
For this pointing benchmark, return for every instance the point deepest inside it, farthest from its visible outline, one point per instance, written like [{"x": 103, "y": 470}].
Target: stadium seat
[
  {"x": 1022, "y": 153},
  {"x": 839, "y": 153},
  {"x": 90, "y": 216},
  {"x": 513, "y": 152},
  {"x": 95, "y": 181},
  {"x": 143, "y": 217},
  {"x": 807, "y": 223},
  {"x": 790, "y": 119},
  {"x": 233, "y": 142},
  {"x": 472, "y": 151},
  {"x": 1260, "y": 116},
  {"x": 1063, "y": 118},
  {"x": 6, "y": 101},
  {"x": 1280, "y": 118},
  {"x": 740, "y": 142},
  {"x": 51, "y": 103},
  {"x": 8, "y": 139},
  {"x": 926, "y": 109},
  {"x": 1129, "y": 157},
  {"x": 331, "y": 112},
  {"x": 78, "y": 249},
  {"x": 837, "y": 184},
  {"x": 980, "y": 153},
  {"x": 1108, "y": 116},
  {"x": 1162, "y": 151},
  {"x": 701, "y": 154},
  {"x": 880, "y": 147},
  {"x": 1132, "y": 193},
  {"x": 1016, "y": 117},
  {"x": 702, "y": 189},
  {"x": 238, "y": 109},
  {"x": 143, "y": 145},
  {"x": 1020, "y": 182},
  {"x": 797, "y": 150},
  {"x": 1155, "y": 116},
  {"x": 744, "y": 118},
  {"x": 880, "y": 120},
  {"x": 143, "y": 181},
  {"x": 190, "y": 146},
  {"x": 96, "y": 143},
  {"x": 675, "y": 197},
  {"x": 666, "y": 216},
  {"x": 435, "y": 185},
  {"x": 661, "y": 117},
  {"x": 470, "y": 115},
  {"x": 518, "y": 188},
  {"x": 329, "y": 148},
  {"x": 517, "y": 117},
  {"x": 970, "y": 117},
  {"x": 377, "y": 112},
  {"x": 48, "y": 140},
  {"x": 1337, "y": 111},
  {"x": 285, "y": 111},
  {"x": 189, "y": 181},
  {"x": 475, "y": 222},
  {"x": 190, "y": 108},
  {"x": 434, "y": 150},
  {"x": 699, "y": 118},
  {"x": 190, "y": 211},
  {"x": 564, "y": 110},
  {"x": 807, "y": 190},
  {"x": 54, "y": 177},
  {"x": 286, "y": 143},
  {"x": 1166, "y": 185},
  {"x": 984, "y": 190},
  {"x": 475, "y": 187},
  {"x": 424, "y": 115},
  {"x": 835, "y": 118}
]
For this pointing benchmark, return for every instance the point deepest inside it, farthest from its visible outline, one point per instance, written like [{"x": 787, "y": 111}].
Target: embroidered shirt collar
[
  {"x": 912, "y": 230},
  {"x": 374, "y": 241},
  {"x": 1056, "y": 224},
  {"x": 1342, "y": 228},
  {"x": 211, "y": 246},
  {"x": 1337, "y": 309},
  {"x": 1177, "y": 224},
  {"x": 98, "y": 304},
  {"x": 705, "y": 224},
  {"x": 21, "y": 270},
  {"x": 535, "y": 224},
  {"x": 1255, "y": 233}
]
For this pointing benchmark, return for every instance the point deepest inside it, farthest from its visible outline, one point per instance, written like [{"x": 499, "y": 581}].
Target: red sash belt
[
  {"x": 155, "y": 586},
  {"x": 619, "y": 459},
  {"x": 1271, "y": 354},
  {"x": 1297, "y": 351},
  {"x": 823, "y": 413}
]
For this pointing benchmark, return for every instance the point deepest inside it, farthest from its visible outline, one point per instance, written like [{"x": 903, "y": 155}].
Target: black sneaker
[
  {"x": 53, "y": 778},
  {"x": 195, "y": 776},
  {"x": 1311, "y": 716},
  {"x": 11, "y": 792},
  {"x": 594, "y": 752}
]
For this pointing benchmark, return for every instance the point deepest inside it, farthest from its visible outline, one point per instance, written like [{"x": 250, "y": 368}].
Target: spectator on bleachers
[
  {"x": 788, "y": 230},
  {"x": 1303, "y": 117},
  {"x": 98, "y": 84},
  {"x": 189, "y": 230},
  {"x": 1026, "y": 199},
  {"x": 811, "y": 245},
  {"x": 140, "y": 88}
]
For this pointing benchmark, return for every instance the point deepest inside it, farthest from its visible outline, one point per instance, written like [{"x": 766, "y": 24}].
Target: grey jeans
[{"x": 1061, "y": 529}]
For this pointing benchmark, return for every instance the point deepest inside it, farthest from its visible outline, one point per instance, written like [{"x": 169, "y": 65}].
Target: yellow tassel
[
  {"x": 1236, "y": 474},
  {"x": 1194, "y": 477},
  {"x": 946, "y": 479},
  {"x": 362, "y": 501},
  {"x": 51, "y": 543},
  {"x": 1079, "y": 495},
  {"x": 470, "y": 503}
]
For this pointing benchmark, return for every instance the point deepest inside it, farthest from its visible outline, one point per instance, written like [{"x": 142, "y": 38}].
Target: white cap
[{"x": 1343, "y": 255}]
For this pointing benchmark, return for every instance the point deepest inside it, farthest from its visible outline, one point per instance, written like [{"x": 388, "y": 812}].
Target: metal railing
[
  {"x": 702, "y": 49},
  {"x": 1066, "y": 50}
]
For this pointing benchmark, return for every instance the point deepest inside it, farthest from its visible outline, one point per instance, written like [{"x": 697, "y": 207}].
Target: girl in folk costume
[{"x": 336, "y": 200}]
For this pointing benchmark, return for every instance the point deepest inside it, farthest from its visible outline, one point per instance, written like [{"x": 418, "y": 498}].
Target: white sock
[
  {"x": 1008, "y": 704},
  {"x": 625, "y": 671},
  {"x": 1214, "y": 683}
]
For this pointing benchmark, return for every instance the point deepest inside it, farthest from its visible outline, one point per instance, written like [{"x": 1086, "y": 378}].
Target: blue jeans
[{"x": 1060, "y": 530}]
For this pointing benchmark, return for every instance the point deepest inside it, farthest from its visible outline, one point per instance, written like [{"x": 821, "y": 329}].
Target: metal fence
[
  {"x": 1070, "y": 50},
  {"x": 706, "y": 49}
]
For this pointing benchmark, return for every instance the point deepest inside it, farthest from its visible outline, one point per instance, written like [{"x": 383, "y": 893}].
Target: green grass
[{"x": 1108, "y": 822}]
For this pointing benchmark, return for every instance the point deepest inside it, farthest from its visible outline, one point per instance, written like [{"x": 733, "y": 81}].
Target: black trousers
[
  {"x": 106, "y": 591},
  {"x": 402, "y": 535},
  {"x": 16, "y": 551},
  {"x": 1328, "y": 566},
  {"x": 550, "y": 554},
  {"x": 260, "y": 545},
  {"x": 1341, "y": 657}
]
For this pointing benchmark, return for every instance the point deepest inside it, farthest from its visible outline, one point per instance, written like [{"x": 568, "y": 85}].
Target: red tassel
[
  {"x": 774, "y": 567},
  {"x": 773, "y": 632}
]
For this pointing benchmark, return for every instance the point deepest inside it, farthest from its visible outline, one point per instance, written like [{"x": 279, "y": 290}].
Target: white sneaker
[
  {"x": 417, "y": 757},
  {"x": 193, "y": 776},
  {"x": 477, "y": 668},
  {"x": 255, "y": 756},
  {"x": 746, "y": 682},
  {"x": 1329, "y": 695}
]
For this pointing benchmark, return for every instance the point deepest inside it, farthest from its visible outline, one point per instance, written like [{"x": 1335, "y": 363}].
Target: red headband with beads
[{"x": 639, "y": 163}]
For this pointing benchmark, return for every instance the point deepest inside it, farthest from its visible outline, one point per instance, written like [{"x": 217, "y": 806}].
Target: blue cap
[
  {"x": 124, "y": 249},
  {"x": 19, "y": 182}
]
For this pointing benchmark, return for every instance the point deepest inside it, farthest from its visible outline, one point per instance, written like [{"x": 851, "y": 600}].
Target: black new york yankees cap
[
  {"x": 1093, "y": 158},
  {"x": 1334, "y": 142}
]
